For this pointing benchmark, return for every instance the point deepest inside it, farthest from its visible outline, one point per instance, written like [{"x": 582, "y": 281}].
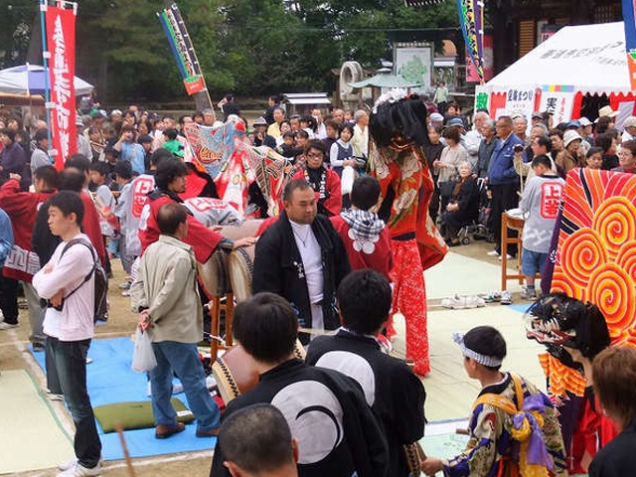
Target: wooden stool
[
  {"x": 215, "y": 326},
  {"x": 512, "y": 223}
]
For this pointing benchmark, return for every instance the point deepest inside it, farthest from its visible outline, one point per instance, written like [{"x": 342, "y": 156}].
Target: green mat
[{"x": 136, "y": 415}]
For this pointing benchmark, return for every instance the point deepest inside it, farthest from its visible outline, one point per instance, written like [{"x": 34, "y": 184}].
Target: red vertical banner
[{"x": 60, "y": 38}]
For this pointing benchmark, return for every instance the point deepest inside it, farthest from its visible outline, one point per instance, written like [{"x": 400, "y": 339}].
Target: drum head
[
  {"x": 214, "y": 274},
  {"x": 241, "y": 271}
]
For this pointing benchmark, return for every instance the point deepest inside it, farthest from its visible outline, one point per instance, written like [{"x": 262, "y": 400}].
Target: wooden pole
[{"x": 122, "y": 439}]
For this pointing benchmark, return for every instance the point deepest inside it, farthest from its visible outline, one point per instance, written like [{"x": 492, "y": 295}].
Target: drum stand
[{"x": 216, "y": 343}]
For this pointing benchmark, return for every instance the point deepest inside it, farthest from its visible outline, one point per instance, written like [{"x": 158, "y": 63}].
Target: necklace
[
  {"x": 323, "y": 183},
  {"x": 303, "y": 240}
]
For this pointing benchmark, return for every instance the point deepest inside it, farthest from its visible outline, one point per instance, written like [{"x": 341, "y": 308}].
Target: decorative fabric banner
[
  {"x": 234, "y": 165},
  {"x": 60, "y": 40},
  {"x": 629, "y": 19},
  {"x": 520, "y": 101},
  {"x": 182, "y": 49},
  {"x": 558, "y": 100},
  {"x": 471, "y": 19}
]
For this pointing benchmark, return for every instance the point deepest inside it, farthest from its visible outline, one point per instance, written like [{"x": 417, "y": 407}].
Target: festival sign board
[
  {"x": 60, "y": 39},
  {"x": 414, "y": 62},
  {"x": 558, "y": 101}
]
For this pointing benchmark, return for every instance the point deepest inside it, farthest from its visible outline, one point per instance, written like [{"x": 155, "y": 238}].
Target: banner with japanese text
[
  {"x": 60, "y": 40},
  {"x": 558, "y": 101},
  {"x": 629, "y": 19}
]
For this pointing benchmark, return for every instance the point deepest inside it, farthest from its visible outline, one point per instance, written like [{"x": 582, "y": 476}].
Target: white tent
[
  {"x": 591, "y": 58},
  {"x": 29, "y": 79}
]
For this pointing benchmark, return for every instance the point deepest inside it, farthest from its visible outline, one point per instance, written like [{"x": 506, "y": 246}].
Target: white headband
[{"x": 484, "y": 360}]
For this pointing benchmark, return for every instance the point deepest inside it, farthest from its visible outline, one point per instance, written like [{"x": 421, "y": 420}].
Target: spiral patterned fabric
[{"x": 596, "y": 258}]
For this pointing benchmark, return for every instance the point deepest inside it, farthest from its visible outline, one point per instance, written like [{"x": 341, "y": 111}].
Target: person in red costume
[
  {"x": 325, "y": 182},
  {"x": 170, "y": 180},
  {"x": 398, "y": 129}
]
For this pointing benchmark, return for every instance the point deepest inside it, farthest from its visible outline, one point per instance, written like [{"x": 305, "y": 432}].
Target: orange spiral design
[
  {"x": 615, "y": 221},
  {"x": 612, "y": 290},
  {"x": 561, "y": 283},
  {"x": 581, "y": 254},
  {"x": 626, "y": 258}
]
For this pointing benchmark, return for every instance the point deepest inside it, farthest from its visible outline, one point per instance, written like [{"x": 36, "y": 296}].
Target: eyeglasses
[{"x": 315, "y": 154}]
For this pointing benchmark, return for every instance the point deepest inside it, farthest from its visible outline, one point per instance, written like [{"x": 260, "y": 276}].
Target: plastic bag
[
  {"x": 348, "y": 176},
  {"x": 143, "y": 356}
]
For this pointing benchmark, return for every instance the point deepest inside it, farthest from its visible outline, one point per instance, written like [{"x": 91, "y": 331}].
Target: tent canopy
[
  {"x": 591, "y": 58},
  {"x": 29, "y": 79}
]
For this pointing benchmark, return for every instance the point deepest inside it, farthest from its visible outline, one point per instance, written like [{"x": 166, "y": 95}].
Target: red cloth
[
  {"x": 265, "y": 225},
  {"x": 202, "y": 239},
  {"x": 194, "y": 186},
  {"x": 380, "y": 259},
  {"x": 22, "y": 209},
  {"x": 409, "y": 298},
  {"x": 91, "y": 226},
  {"x": 333, "y": 186}
]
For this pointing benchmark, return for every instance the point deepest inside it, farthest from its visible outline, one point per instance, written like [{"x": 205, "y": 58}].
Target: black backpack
[{"x": 101, "y": 282}]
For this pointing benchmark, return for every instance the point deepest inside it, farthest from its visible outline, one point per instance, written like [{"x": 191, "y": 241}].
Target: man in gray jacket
[{"x": 167, "y": 298}]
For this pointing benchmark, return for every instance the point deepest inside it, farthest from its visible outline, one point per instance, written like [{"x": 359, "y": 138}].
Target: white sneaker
[
  {"x": 72, "y": 463},
  {"x": 7, "y": 326},
  {"x": 55, "y": 397},
  {"x": 78, "y": 470},
  {"x": 493, "y": 253},
  {"x": 459, "y": 302},
  {"x": 508, "y": 257}
]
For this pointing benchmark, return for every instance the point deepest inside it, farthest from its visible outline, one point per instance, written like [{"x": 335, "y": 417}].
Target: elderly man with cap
[
  {"x": 537, "y": 117},
  {"x": 473, "y": 138},
  {"x": 629, "y": 129},
  {"x": 520, "y": 128},
  {"x": 260, "y": 136},
  {"x": 40, "y": 156},
  {"x": 508, "y": 411}
]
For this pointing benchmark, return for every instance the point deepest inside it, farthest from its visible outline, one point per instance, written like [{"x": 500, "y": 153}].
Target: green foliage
[
  {"x": 249, "y": 47},
  {"x": 16, "y": 20}
]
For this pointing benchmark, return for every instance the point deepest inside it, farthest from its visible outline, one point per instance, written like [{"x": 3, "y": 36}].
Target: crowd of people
[{"x": 344, "y": 255}]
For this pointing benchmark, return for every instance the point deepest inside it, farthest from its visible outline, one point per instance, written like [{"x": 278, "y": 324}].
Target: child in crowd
[
  {"x": 171, "y": 143},
  {"x": 123, "y": 176},
  {"x": 104, "y": 203},
  {"x": 540, "y": 205},
  {"x": 288, "y": 148},
  {"x": 511, "y": 423},
  {"x": 341, "y": 152},
  {"x": 594, "y": 158},
  {"x": 331, "y": 129}
]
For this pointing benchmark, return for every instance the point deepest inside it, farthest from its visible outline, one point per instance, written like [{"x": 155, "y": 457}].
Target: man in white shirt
[
  {"x": 360, "y": 139},
  {"x": 67, "y": 281},
  {"x": 473, "y": 138}
]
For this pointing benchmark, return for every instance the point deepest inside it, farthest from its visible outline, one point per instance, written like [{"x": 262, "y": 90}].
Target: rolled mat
[{"x": 136, "y": 415}]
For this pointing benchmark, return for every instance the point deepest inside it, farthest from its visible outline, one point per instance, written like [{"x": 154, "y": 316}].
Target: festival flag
[
  {"x": 629, "y": 19},
  {"x": 182, "y": 49},
  {"x": 60, "y": 40},
  {"x": 471, "y": 18}
]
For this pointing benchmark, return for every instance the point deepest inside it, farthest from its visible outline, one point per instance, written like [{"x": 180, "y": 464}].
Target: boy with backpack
[
  {"x": 67, "y": 281},
  {"x": 513, "y": 427}
]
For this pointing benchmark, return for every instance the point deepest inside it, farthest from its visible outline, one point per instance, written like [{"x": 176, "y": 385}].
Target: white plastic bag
[
  {"x": 348, "y": 176},
  {"x": 143, "y": 356}
]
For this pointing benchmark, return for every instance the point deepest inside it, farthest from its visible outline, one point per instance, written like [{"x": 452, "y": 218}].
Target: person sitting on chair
[{"x": 463, "y": 207}]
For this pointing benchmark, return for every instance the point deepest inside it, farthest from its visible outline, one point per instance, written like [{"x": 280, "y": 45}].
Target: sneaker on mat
[
  {"x": 458, "y": 302},
  {"x": 492, "y": 297},
  {"x": 78, "y": 470},
  {"x": 493, "y": 253},
  {"x": 508, "y": 257},
  {"x": 7, "y": 326},
  {"x": 506, "y": 298}
]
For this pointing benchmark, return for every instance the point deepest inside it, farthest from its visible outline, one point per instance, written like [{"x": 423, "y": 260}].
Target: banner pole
[{"x": 45, "y": 63}]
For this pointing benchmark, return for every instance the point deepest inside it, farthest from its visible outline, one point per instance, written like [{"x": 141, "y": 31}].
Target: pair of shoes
[
  {"x": 492, "y": 297},
  {"x": 208, "y": 433},
  {"x": 69, "y": 464},
  {"x": 7, "y": 326},
  {"x": 458, "y": 302},
  {"x": 163, "y": 431},
  {"x": 506, "y": 298},
  {"x": 508, "y": 257},
  {"x": 493, "y": 253},
  {"x": 37, "y": 347},
  {"x": 78, "y": 470},
  {"x": 528, "y": 294}
]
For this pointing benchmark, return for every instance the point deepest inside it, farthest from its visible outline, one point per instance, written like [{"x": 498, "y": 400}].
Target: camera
[{"x": 518, "y": 148}]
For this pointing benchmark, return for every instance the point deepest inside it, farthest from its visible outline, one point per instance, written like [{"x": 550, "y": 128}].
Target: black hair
[
  {"x": 257, "y": 439},
  {"x": 604, "y": 141},
  {"x": 69, "y": 203},
  {"x": 487, "y": 341},
  {"x": 10, "y": 133},
  {"x": 169, "y": 169},
  {"x": 123, "y": 169},
  {"x": 159, "y": 155},
  {"x": 289, "y": 134},
  {"x": 544, "y": 141},
  {"x": 71, "y": 179},
  {"x": 170, "y": 216},
  {"x": 602, "y": 125},
  {"x": 630, "y": 146},
  {"x": 541, "y": 159},
  {"x": 79, "y": 162},
  {"x": 171, "y": 134},
  {"x": 316, "y": 144},
  {"x": 41, "y": 134},
  {"x": 197, "y": 114},
  {"x": 296, "y": 184},
  {"x": 101, "y": 167},
  {"x": 593, "y": 150},
  {"x": 406, "y": 118},
  {"x": 182, "y": 117},
  {"x": 365, "y": 192},
  {"x": 48, "y": 174},
  {"x": 555, "y": 132},
  {"x": 452, "y": 132},
  {"x": 364, "y": 298},
  {"x": 311, "y": 122},
  {"x": 266, "y": 326},
  {"x": 348, "y": 127},
  {"x": 302, "y": 133}
]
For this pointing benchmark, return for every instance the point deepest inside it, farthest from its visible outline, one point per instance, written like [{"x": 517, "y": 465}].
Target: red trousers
[{"x": 409, "y": 298}]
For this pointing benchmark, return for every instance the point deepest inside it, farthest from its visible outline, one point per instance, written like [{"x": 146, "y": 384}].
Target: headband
[{"x": 482, "y": 359}]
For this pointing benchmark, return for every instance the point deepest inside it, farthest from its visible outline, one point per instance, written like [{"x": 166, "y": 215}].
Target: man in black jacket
[{"x": 302, "y": 258}]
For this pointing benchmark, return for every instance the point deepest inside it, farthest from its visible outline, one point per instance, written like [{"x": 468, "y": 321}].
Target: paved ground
[{"x": 466, "y": 270}]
